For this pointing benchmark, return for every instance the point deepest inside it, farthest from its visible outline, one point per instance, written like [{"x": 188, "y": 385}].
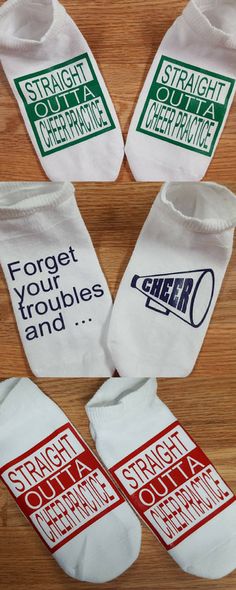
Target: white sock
[
  {"x": 59, "y": 294},
  {"x": 187, "y": 95},
  {"x": 61, "y": 487},
  {"x": 170, "y": 287},
  {"x": 62, "y": 96},
  {"x": 165, "y": 476}
]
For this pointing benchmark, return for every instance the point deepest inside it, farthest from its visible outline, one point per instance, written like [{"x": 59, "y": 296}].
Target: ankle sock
[
  {"x": 59, "y": 294},
  {"x": 169, "y": 290},
  {"x": 61, "y": 487},
  {"x": 165, "y": 476},
  {"x": 187, "y": 95},
  {"x": 61, "y": 94}
]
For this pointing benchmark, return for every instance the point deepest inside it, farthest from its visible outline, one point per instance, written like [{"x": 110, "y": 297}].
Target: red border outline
[
  {"x": 144, "y": 518},
  {"x": 85, "y": 447}
]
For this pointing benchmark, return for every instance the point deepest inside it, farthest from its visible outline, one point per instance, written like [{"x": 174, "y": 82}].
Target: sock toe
[
  {"x": 219, "y": 562},
  {"x": 106, "y": 554}
]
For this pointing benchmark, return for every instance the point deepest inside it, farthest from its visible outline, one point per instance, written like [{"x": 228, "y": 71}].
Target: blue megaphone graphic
[{"x": 187, "y": 295}]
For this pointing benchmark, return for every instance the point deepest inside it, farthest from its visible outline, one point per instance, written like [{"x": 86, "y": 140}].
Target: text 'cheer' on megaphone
[{"x": 187, "y": 294}]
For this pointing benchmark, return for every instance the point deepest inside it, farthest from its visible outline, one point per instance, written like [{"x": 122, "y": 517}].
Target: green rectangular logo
[
  {"x": 64, "y": 104},
  {"x": 186, "y": 105}
]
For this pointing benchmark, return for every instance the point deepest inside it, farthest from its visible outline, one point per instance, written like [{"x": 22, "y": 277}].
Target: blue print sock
[{"x": 170, "y": 287}]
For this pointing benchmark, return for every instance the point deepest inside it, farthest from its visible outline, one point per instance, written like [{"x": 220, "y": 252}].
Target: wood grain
[
  {"x": 114, "y": 215},
  {"x": 206, "y": 408},
  {"x": 124, "y": 36}
]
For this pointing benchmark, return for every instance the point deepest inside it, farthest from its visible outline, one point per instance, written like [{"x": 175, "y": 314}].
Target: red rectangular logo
[
  {"x": 60, "y": 486},
  {"x": 172, "y": 485}
]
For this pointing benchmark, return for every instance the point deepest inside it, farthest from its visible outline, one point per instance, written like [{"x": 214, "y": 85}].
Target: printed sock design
[
  {"x": 83, "y": 113},
  {"x": 187, "y": 95},
  {"x": 60, "y": 298},
  {"x": 62, "y": 96},
  {"x": 179, "y": 293},
  {"x": 169, "y": 290},
  {"x": 166, "y": 477},
  {"x": 61, "y": 487},
  {"x": 175, "y": 112}
]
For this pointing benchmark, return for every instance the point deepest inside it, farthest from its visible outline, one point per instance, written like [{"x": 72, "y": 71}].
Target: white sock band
[
  {"x": 59, "y": 294},
  {"x": 62, "y": 96},
  {"x": 170, "y": 287},
  {"x": 61, "y": 488},
  {"x": 187, "y": 95},
  {"x": 165, "y": 476}
]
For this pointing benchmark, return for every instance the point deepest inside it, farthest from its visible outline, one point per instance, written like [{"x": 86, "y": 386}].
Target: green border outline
[
  {"x": 51, "y": 69},
  {"x": 167, "y": 139}
]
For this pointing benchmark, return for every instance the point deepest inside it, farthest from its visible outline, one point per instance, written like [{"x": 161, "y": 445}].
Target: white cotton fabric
[
  {"x": 27, "y": 416},
  {"x": 49, "y": 263},
  {"x": 131, "y": 407},
  {"x": 203, "y": 36},
  {"x": 186, "y": 242},
  {"x": 36, "y": 35}
]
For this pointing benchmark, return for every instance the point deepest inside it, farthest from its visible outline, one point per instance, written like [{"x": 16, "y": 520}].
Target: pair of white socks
[
  {"x": 61, "y": 300},
  {"x": 69, "y": 114},
  {"x": 166, "y": 477},
  {"x": 73, "y": 504},
  {"x": 61, "y": 487}
]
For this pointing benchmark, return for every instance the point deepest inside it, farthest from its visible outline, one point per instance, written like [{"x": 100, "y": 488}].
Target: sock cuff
[
  {"x": 117, "y": 397},
  {"x": 6, "y": 387},
  {"x": 23, "y": 199},
  {"x": 195, "y": 17},
  {"x": 20, "y": 393},
  {"x": 10, "y": 398},
  {"x": 10, "y": 41},
  {"x": 218, "y": 200}
]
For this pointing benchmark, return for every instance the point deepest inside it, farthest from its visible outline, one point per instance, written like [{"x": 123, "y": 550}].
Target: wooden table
[{"x": 123, "y": 36}]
